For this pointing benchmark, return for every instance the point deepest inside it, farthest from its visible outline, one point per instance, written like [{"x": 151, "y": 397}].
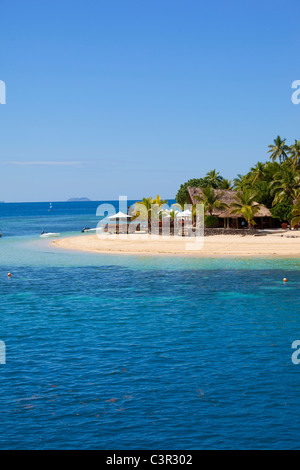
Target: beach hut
[{"x": 263, "y": 217}]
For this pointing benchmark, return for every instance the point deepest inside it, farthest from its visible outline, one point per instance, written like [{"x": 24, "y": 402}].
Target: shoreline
[{"x": 271, "y": 245}]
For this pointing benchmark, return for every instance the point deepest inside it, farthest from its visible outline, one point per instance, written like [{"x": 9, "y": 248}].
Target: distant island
[{"x": 76, "y": 199}]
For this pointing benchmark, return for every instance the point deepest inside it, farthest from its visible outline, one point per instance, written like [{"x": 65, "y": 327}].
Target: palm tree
[
  {"x": 246, "y": 206},
  {"x": 211, "y": 200},
  {"x": 213, "y": 179},
  {"x": 225, "y": 184},
  {"x": 160, "y": 202},
  {"x": 239, "y": 183},
  {"x": 144, "y": 209},
  {"x": 286, "y": 185},
  {"x": 296, "y": 213},
  {"x": 257, "y": 172},
  {"x": 294, "y": 153},
  {"x": 270, "y": 169},
  {"x": 278, "y": 150},
  {"x": 147, "y": 202}
]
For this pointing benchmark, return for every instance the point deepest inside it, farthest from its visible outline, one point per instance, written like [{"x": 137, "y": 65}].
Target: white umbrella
[
  {"x": 119, "y": 215},
  {"x": 186, "y": 213},
  {"x": 164, "y": 211}
]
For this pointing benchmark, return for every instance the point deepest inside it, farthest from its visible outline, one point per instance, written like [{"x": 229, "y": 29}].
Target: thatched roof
[{"x": 227, "y": 196}]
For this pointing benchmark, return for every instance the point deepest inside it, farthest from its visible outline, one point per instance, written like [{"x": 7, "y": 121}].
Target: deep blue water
[
  {"x": 128, "y": 352},
  {"x": 31, "y": 218}
]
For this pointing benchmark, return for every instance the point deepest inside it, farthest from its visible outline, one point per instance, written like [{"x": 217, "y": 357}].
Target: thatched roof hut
[{"x": 227, "y": 196}]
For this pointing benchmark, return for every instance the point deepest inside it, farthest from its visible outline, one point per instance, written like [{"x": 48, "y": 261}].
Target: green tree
[
  {"x": 182, "y": 196},
  {"x": 270, "y": 170},
  {"x": 159, "y": 201},
  {"x": 278, "y": 150},
  {"x": 244, "y": 204},
  {"x": 257, "y": 173},
  {"x": 213, "y": 179},
  {"x": 225, "y": 184},
  {"x": 211, "y": 221},
  {"x": 262, "y": 193},
  {"x": 296, "y": 213},
  {"x": 239, "y": 183},
  {"x": 282, "y": 211},
  {"x": 144, "y": 209},
  {"x": 211, "y": 200},
  {"x": 294, "y": 153},
  {"x": 286, "y": 185}
]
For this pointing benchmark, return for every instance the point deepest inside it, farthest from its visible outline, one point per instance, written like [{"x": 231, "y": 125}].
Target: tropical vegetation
[
  {"x": 211, "y": 200},
  {"x": 296, "y": 213},
  {"x": 274, "y": 184},
  {"x": 245, "y": 205}
]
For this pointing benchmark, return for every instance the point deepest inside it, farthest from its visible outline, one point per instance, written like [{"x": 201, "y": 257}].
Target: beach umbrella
[
  {"x": 120, "y": 218},
  {"x": 164, "y": 212},
  {"x": 186, "y": 213},
  {"x": 120, "y": 215}
]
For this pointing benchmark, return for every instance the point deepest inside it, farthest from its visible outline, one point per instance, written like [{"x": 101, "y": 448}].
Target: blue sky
[{"x": 106, "y": 98}]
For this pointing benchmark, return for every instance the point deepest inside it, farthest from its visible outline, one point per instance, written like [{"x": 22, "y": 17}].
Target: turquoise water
[{"x": 134, "y": 352}]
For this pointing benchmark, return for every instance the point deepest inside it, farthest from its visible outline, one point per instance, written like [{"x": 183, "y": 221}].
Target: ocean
[{"x": 138, "y": 352}]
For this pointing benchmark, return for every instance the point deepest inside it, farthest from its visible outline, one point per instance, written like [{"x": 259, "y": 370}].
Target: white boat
[{"x": 49, "y": 234}]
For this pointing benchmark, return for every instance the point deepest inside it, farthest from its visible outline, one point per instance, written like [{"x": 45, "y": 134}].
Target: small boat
[
  {"x": 49, "y": 234},
  {"x": 50, "y": 207},
  {"x": 87, "y": 229}
]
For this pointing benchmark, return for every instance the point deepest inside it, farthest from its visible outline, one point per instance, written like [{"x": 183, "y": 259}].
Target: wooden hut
[{"x": 263, "y": 217}]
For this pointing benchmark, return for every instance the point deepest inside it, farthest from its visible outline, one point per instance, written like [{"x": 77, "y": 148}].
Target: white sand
[{"x": 275, "y": 244}]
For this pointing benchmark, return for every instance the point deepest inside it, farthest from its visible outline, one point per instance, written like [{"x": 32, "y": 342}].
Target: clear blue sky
[{"x": 134, "y": 97}]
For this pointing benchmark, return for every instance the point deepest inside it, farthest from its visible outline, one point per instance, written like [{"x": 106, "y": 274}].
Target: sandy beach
[{"x": 277, "y": 244}]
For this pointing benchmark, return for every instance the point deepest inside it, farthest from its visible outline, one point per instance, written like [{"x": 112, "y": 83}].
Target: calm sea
[{"x": 134, "y": 352}]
